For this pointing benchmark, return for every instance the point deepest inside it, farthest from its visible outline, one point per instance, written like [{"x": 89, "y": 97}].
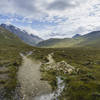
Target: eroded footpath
[{"x": 29, "y": 77}]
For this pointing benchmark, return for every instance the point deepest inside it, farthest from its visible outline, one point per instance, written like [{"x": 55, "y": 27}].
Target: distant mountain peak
[{"x": 76, "y": 35}]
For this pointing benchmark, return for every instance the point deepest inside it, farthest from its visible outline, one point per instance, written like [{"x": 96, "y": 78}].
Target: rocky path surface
[
  {"x": 29, "y": 77},
  {"x": 51, "y": 60}
]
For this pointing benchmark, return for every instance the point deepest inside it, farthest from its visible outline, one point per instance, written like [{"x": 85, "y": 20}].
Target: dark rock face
[{"x": 23, "y": 35}]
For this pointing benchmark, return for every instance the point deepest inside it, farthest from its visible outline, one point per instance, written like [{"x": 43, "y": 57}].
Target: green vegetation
[
  {"x": 49, "y": 76},
  {"x": 85, "y": 84}
]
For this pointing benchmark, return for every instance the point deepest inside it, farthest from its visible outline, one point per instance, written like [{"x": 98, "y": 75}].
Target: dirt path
[
  {"x": 51, "y": 60},
  {"x": 29, "y": 77}
]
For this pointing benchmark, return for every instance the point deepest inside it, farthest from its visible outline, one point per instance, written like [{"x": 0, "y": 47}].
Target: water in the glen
[{"x": 55, "y": 94}]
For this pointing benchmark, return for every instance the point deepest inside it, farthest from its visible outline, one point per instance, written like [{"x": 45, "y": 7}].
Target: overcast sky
[{"x": 52, "y": 18}]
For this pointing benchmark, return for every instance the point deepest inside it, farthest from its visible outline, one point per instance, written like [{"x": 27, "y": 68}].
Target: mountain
[
  {"x": 22, "y": 34},
  {"x": 9, "y": 39},
  {"x": 36, "y": 38},
  {"x": 76, "y": 36},
  {"x": 91, "y": 39}
]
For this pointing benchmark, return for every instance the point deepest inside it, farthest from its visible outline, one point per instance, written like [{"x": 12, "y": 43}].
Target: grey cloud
[
  {"x": 57, "y": 34},
  {"x": 62, "y": 4},
  {"x": 20, "y": 7},
  {"x": 80, "y": 29},
  {"x": 25, "y": 6}
]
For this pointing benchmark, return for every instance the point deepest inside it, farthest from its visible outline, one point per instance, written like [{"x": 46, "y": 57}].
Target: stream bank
[{"x": 54, "y": 95}]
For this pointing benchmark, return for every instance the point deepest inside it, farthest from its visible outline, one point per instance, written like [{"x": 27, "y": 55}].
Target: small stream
[{"x": 55, "y": 94}]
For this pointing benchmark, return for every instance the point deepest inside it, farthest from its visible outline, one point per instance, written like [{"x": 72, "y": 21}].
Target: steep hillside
[
  {"x": 23, "y": 35},
  {"x": 89, "y": 40},
  {"x": 9, "y": 39},
  {"x": 10, "y": 60}
]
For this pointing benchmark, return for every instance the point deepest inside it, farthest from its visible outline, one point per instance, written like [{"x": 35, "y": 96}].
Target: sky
[{"x": 52, "y": 18}]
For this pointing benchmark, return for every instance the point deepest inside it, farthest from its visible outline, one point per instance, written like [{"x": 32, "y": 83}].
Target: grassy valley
[
  {"x": 49, "y": 50},
  {"x": 82, "y": 84}
]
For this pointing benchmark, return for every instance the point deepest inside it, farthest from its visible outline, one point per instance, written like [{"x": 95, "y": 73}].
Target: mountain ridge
[
  {"x": 91, "y": 39},
  {"x": 8, "y": 39},
  {"x": 23, "y": 35}
]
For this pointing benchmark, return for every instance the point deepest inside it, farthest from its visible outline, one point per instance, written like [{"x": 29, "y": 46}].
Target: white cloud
[
  {"x": 30, "y": 30},
  {"x": 70, "y": 16}
]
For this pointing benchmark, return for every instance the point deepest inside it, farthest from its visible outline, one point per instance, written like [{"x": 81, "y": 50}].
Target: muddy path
[{"x": 29, "y": 78}]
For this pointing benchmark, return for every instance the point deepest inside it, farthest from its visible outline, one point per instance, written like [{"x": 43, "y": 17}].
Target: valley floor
[{"x": 78, "y": 68}]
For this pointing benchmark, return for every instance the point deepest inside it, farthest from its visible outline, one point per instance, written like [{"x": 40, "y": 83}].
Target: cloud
[
  {"x": 36, "y": 7},
  {"x": 62, "y": 4},
  {"x": 52, "y": 18}
]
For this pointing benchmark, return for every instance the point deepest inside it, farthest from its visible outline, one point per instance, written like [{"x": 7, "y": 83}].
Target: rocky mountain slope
[
  {"x": 22, "y": 34},
  {"x": 9, "y": 39}
]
